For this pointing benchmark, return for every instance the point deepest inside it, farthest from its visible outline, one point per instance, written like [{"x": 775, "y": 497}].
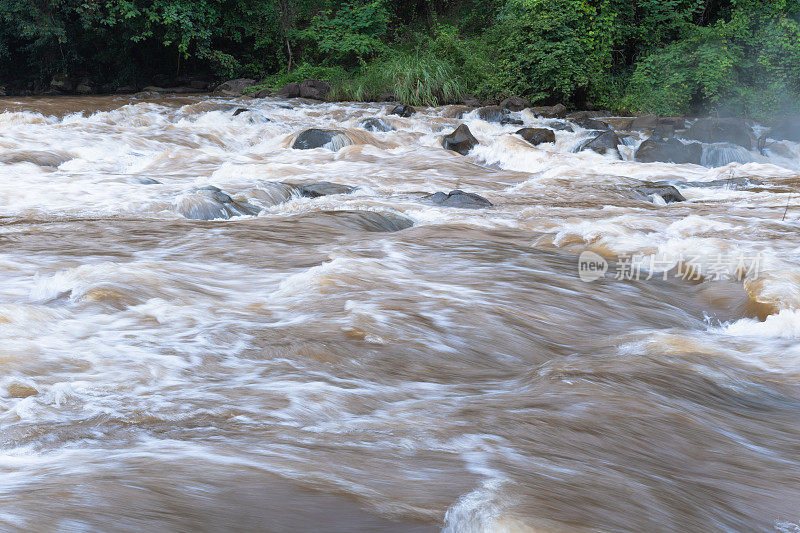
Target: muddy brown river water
[{"x": 374, "y": 362}]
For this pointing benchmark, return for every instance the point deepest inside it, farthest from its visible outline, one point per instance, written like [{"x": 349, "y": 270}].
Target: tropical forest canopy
[{"x": 663, "y": 56}]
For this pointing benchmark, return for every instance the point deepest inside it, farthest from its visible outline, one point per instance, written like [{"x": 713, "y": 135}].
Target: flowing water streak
[{"x": 314, "y": 364}]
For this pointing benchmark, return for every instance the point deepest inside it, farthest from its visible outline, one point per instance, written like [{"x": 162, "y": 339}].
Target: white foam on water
[{"x": 785, "y": 324}]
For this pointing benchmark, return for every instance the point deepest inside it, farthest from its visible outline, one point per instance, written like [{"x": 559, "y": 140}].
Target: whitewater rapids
[{"x": 370, "y": 361}]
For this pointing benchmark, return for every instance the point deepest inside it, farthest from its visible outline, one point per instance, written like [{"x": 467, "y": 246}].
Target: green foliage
[
  {"x": 749, "y": 65},
  {"x": 413, "y": 78},
  {"x": 335, "y": 75},
  {"x": 698, "y": 70},
  {"x": 553, "y": 47},
  {"x": 350, "y": 35},
  {"x": 664, "y": 56}
]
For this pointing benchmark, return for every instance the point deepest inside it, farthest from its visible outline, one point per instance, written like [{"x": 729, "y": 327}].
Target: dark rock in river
[
  {"x": 319, "y": 138},
  {"x": 492, "y": 113},
  {"x": 719, "y": 130},
  {"x": 560, "y": 126},
  {"x": 456, "y": 111},
  {"x": 239, "y": 111},
  {"x": 497, "y": 114},
  {"x": 210, "y": 203},
  {"x": 234, "y": 87},
  {"x": 290, "y": 90},
  {"x": 374, "y": 221},
  {"x": 403, "y": 110},
  {"x": 461, "y": 199},
  {"x": 555, "y": 111},
  {"x": 314, "y": 89},
  {"x": 515, "y": 103},
  {"x": 787, "y": 130},
  {"x": 323, "y": 188},
  {"x": 669, "y": 151},
  {"x": 537, "y": 136},
  {"x": 375, "y": 124},
  {"x": 461, "y": 140},
  {"x": 591, "y": 124},
  {"x": 606, "y": 141},
  {"x": 669, "y": 193}
]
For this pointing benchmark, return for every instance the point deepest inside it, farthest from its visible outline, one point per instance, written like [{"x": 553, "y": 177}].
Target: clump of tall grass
[{"x": 413, "y": 79}]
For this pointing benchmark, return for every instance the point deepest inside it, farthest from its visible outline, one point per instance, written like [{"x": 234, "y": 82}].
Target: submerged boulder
[
  {"x": 376, "y": 124},
  {"x": 461, "y": 140},
  {"x": 721, "y": 130},
  {"x": 537, "y": 136},
  {"x": 668, "y": 193},
  {"x": 234, "y": 87},
  {"x": 403, "y": 110},
  {"x": 321, "y": 138},
  {"x": 669, "y": 151},
  {"x": 37, "y": 157},
  {"x": 515, "y": 103},
  {"x": 314, "y": 89},
  {"x": 606, "y": 141},
  {"x": 210, "y": 203},
  {"x": 460, "y": 199},
  {"x": 323, "y": 188},
  {"x": 373, "y": 220}
]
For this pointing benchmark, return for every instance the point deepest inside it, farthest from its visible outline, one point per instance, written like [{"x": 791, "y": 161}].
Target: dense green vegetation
[{"x": 663, "y": 56}]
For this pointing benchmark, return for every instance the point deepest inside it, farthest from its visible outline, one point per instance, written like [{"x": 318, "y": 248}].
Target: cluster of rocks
[
  {"x": 64, "y": 84},
  {"x": 211, "y": 203},
  {"x": 671, "y": 139}
]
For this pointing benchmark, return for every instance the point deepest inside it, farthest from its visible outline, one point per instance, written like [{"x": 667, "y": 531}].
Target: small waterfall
[{"x": 719, "y": 155}]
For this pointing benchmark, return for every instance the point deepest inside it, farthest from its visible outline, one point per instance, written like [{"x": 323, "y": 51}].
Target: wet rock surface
[
  {"x": 461, "y": 140},
  {"x": 537, "y": 136},
  {"x": 211, "y": 203},
  {"x": 668, "y": 193},
  {"x": 403, "y": 110},
  {"x": 603, "y": 143},
  {"x": 669, "y": 151},
  {"x": 460, "y": 199},
  {"x": 321, "y": 138},
  {"x": 376, "y": 124},
  {"x": 721, "y": 130},
  {"x": 323, "y": 188}
]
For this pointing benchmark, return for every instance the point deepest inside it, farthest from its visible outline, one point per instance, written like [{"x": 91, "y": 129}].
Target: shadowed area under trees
[{"x": 731, "y": 57}]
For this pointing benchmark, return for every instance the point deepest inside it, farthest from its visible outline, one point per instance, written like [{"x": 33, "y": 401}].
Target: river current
[{"x": 372, "y": 361}]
